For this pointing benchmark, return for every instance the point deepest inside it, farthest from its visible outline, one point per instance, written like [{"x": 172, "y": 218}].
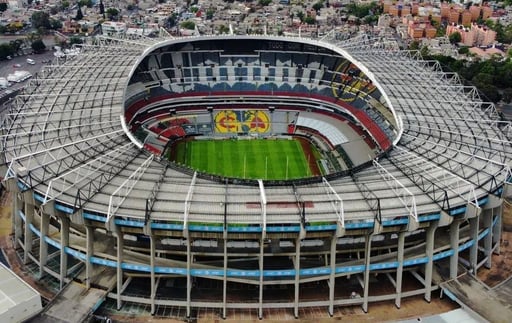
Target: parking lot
[{"x": 20, "y": 63}]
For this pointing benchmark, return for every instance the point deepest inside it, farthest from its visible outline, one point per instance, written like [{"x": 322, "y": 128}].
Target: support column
[
  {"x": 488, "y": 238},
  {"x": 64, "y": 243},
  {"x": 152, "y": 265},
  {"x": 473, "y": 250},
  {"x": 332, "y": 276},
  {"x": 189, "y": 277},
  {"x": 260, "y": 297},
  {"x": 29, "y": 240},
  {"x": 496, "y": 235},
  {"x": 89, "y": 230},
  {"x": 225, "y": 280},
  {"x": 297, "y": 278},
  {"x": 17, "y": 222},
  {"x": 120, "y": 247},
  {"x": 454, "y": 245},
  {"x": 367, "y": 256},
  {"x": 43, "y": 245},
  {"x": 429, "y": 266},
  {"x": 400, "y": 269}
]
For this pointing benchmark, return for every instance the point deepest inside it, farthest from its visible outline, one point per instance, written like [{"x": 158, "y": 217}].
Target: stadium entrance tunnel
[{"x": 277, "y": 110}]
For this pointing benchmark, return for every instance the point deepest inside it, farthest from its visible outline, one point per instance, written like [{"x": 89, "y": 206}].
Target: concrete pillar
[
  {"x": 28, "y": 241},
  {"x": 332, "y": 277},
  {"x": 189, "y": 277},
  {"x": 454, "y": 245},
  {"x": 152, "y": 274},
  {"x": 429, "y": 266},
  {"x": 120, "y": 247},
  {"x": 260, "y": 297},
  {"x": 367, "y": 256},
  {"x": 297, "y": 278},
  {"x": 225, "y": 280},
  {"x": 64, "y": 242},
  {"x": 17, "y": 222},
  {"x": 89, "y": 231},
  {"x": 496, "y": 234},
  {"x": 487, "y": 218},
  {"x": 400, "y": 269},
  {"x": 473, "y": 250},
  {"x": 43, "y": 245}
]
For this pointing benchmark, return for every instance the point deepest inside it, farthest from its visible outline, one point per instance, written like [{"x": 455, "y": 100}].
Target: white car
[{"x": 31, "y": 61}]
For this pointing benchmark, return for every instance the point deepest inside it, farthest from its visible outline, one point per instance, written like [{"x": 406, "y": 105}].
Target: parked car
[{"x": 16, "y": 65}]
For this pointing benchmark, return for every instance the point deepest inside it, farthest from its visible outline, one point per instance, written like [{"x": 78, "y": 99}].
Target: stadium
[{"x": 254, "y": 172}]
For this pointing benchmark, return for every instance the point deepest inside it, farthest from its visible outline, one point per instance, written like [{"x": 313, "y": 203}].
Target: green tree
[
  {"x": 3, "y": 6},
  {"x": 309, "y": 20},
  {"x": 64, "y": 4},
  {"x": 75, "y": 40},
  {"x": 79, "y": 15},
  {"x": 223, "y": 29},
  {"x": 424, "y": 51},
  {"x": 40, "y": 19},
  {"x": 300, "y": 15},
  {"x": 5, "y": 50},
  {"x": 38, "y": 46},
  {"x": 102, "y": 8},
  {"x": 414, "y": 45},
  {"x": 209, "y": 14},
  {"x": 455, "y": 37},
  {"x": 318, "y": 5},
  {"x": 188, "y": 24},
  {"x": 55, "y": 24},
  {"x": 264, "y": 3},
  {"x": 171, "y": 20},
  {"x": 464, "y": 50},
  {"x": 85, "y": 3},
  {"x": 112, "y": 13}
]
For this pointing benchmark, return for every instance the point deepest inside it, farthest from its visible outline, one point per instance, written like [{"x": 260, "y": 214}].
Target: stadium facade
[{"x": 94, "y": 199}]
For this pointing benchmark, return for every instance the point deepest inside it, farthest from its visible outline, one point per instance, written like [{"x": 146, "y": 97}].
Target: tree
[
  {"x": 300, "y": 15},
  {"x": 171, "y": 20},
  {"x": 464, "y": 50},
  {"x": 40, "y": 19},
  {"x": 209, "y": 14},
  {"x": 188, "y": 24},
  {"x": 79, "y": 15},
  {"x": 414, "y": 45},
  {"x": 16, "y": 45},
  {"x": 112, "y": 13},
  {"x": 309, "y": 20},
  {"x": 75, "y": 40},
  {"x": 3, "y": 6},
  {"x": 55, "y": 24},
  {"x": 318, "y": 5},
  {"x": 223, "y": 29},
  {"x": 455, "y": 37},
  {"x": 85, "y": 3},
  {"x": 264, "y": 3},
  {"x": 38, "y": 46},
  {"x": 102, "y": 8},
  {"x": 5, "y": 50},
  {"x": 65, "y": 4}
]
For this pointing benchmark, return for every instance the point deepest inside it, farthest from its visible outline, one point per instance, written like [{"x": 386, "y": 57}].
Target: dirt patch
[
  {"x": 306, "y": 147},
  {"x": 501, "y": 265}
]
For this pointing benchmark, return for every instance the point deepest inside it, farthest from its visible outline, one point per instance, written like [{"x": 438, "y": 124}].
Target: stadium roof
[{"x": 64, "y": 138}]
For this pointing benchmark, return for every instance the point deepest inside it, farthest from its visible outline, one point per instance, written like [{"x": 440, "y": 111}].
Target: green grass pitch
[{"x": 255, "y": 159}]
